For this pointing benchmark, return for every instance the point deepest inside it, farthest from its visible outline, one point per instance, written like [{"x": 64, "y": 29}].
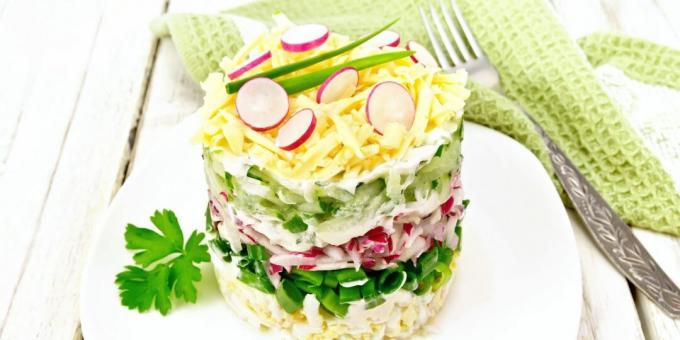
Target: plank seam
[{"x": 138, "y": 121}]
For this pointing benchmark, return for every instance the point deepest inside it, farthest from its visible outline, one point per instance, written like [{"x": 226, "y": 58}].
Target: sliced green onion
[
  {"x": 390, "y": 281},
  {"x": 309, "y": 288},
  {"x": 440, "y": 149},
  {"x": 313, "y": 277},
  {"x": 442, "y": 274},
  {"x": 445, "y": 255},
  {"x": 330, "y": 279},
  {"x": 349, "y": 275},
  {"x": 208, "y": 219},
  {"x": 368, "y": 290},
  {"x": 289, "y": 296},
  {"x": 295, "y": 224},
  {"x": 254, "y": 173},
  {"x": 259, "y": 268},
  {"x": 426, "y": 262},
  {"x": 466, "y": 202},
  {"x": 227, "y": 258},
  {"x": 411, "y": 281},
  {"x": 424, "y": 285},
  {"x": 375, "y": 302},
  {"x": 347, "y": 294},
  {"x": 307, "y": 81},
  {"x": 285, "y": 69},
  {"x": 331, "y": 303},
  {"x": 245, "y": 262},
  {"x": 459, "y": 232},
  {"x": 257, "y": 252},
  {"x": 259, "y": 282},
  {"x": 222, "y": 245}
]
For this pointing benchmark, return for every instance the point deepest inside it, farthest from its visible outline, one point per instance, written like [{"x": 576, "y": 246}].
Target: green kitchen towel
[{"x": 541, "y": 67}]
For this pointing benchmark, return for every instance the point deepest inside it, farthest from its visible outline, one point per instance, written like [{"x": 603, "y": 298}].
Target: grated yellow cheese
[{"x": 343, "y": 143}]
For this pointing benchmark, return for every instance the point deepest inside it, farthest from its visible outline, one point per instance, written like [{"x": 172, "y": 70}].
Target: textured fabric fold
[{"x": 540, "y": 66}]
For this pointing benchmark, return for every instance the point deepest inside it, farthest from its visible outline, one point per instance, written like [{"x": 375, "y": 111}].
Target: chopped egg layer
[{"x": 343, "y": 144}]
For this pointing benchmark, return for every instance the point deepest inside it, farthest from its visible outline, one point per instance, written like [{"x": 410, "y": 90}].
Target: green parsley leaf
[
  {"x": 154, "y": 246},
  {"x": 139, "y": 289},
  {"x": 142, "y": 288},
  {"x": 183, "y": 272}
]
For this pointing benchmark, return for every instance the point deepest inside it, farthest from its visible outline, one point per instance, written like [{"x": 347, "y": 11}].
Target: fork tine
[
  {"x": 444, "y": 37},
  {"x": 466, "y": 30},
  {"x": 441, "y": 57},
  {"x": 460, "y": 44}
]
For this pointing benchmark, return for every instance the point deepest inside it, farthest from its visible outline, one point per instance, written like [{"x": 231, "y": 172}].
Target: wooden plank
[
  {"x": 42, "y": 63},
  {"x": 671, "y": 11},
  {"x": 656, "y": 23},
  {"x": 609, "y": 309},
  {"x": 666, "y": 251},
  {"x": 45, "y": 303},
  {"x": 23, "y": 61}
]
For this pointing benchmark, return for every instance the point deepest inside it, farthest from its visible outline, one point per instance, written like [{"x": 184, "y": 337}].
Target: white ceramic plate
[{"x": 518, "y": 275}]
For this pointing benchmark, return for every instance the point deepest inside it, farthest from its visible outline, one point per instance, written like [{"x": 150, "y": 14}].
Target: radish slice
[
  {"x": 296, "y": 130},
  {"x": 250, "y": 64},
  {"x": 384, "y": 38},
  {"x": 422, "y": 55},
  {"x": 389, "y": 102},
  {"x": 262, "y": 104},
  {"x": 340, "y": 84},
  {"x": 304, "y": 37}
]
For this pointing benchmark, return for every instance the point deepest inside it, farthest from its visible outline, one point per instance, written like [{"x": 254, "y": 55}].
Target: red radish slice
[
  {"x": 384, "y": 38},
  {"x": 304, "y": 37},
  {"x": 339, "y": 85},
  {"x": 446, "y": 206},
  {"x": 422, "y": 55},
  {"x": 249, "y": 65},
  {"x": 296, "y": 130},
  {"x": 390, "y": 102},
  {"x": 262, "y": 104}
]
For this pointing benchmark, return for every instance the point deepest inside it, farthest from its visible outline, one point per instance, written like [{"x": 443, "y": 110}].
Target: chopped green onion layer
[
  {"x": 368, "y": 290},
  {"x": 313, "y": 277},
  {"x": 424, "y": 285},
  {"x": 309, "y": 288},
  {"x": 330, "y": 280},
  {"x": 234, "y": 86},
  {"x": 331, "y": 302},
  {"x": 426, "y": 262},
  {"x": 259, "y": 282},
  {"x": 445, "y": 255},
  {"x": 442, "y": 273},
  {"x": 289, "y": 296},
  {"x": 390, "y": 281},
  {"x": 350, "y": 275},
  {"x": 411, "y": 281},
  {"x": 347, "y": 294}
]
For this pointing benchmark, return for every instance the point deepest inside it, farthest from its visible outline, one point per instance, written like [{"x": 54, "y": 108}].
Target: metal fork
[{"x": 455, "y": 47}]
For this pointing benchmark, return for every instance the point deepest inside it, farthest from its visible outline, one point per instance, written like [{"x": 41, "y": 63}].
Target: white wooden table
[{"x": 85, "y": 88}]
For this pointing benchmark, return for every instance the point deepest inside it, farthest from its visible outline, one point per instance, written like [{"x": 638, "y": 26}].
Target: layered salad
[{"x": 333, "y": 166}]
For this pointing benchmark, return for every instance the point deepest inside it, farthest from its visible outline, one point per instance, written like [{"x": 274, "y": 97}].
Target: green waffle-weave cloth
[{"x": 541, "y": 67}]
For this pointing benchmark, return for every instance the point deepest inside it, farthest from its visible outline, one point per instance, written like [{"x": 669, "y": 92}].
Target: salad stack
[{"x": 333, "y": 168}]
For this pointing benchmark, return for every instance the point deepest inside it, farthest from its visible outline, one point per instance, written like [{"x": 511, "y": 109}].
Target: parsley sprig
[{"x": 176, "y": 264}]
